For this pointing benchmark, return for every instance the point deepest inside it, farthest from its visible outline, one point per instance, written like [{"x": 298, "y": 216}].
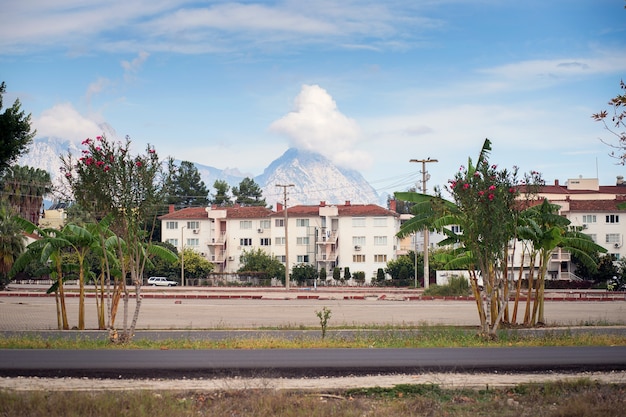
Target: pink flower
[
  {"x": 492, "y": 187},
  {"x": 491, "y": 197},
  {"x": 477, "y": 174},
  {"x": 494, "y": 166},
  {"x": 89, "y": 161},
  {"x": 98, "y": 148},
  {"x": 99, "y": 138},
  {"x": 68, "y": 175},
  {"x": 138, "y": 163},
  {"x": 85, "y": 151},
  {"x": 466, "y": 186},
  {"x": 86, "y": 142},
  {"x": 481, "y": 193},
  {"x": 151, "y": 151},
  {"x": 99, "y": 163},
  {"x": 511, "y": 190},
  {"x": 106, "y": 168}
]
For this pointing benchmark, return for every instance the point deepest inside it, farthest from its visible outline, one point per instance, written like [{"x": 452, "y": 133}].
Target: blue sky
[{"x": 369, "y": 84}]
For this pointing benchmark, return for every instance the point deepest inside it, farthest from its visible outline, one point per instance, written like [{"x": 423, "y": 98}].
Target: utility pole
[
  {"x": 182, "y": 257},
  {"x": 285, "y": 186},
  {"x": 426, "y": 231}
]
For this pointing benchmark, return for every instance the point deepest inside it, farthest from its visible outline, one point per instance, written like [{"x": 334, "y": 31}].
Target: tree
[
  {"x": 323, "y": 274},
  {"x": 485, "y": 208},
  {"x": 260, "y": 262},
  {"x": 15, "y": 132},
  {"x": 346, "y": 273},
  {"x": 249, "y": 193},
  {"x": 195, "y": 265},
  {"x": 615, "y": 123},
  {"x": 162, "y": 268},
  {"x": 25, "y": 188},
  {"x": 221, "y": 197},
  {"x": 302, "y": 273},
  {"x": 108, "y": 180},
  {"x": 401, "y": 269},
  {"x": 336, "y": 273},
  {"x": 186, "y": 188},
  {"x": 12, "y": 243}
]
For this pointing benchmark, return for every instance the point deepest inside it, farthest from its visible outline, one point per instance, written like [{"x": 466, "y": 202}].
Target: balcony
[{"x": 218, "y": 240}]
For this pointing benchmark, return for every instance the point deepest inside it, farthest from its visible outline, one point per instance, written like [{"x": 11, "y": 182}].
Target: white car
[{"x": 162, "y": 282}]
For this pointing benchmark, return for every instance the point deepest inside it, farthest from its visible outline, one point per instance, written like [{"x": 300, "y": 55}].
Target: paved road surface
[
  {"x": 38, "y": 313},
  {"x": 299, "y": 362}
]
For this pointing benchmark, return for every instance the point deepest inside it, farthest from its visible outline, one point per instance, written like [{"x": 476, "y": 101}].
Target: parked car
[{"x": 162, "y": 282}]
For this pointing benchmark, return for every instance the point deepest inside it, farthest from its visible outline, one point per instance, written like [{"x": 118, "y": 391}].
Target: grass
[
  {"x": 580, "y": 398},
  {"x": 423, "y": 337}
]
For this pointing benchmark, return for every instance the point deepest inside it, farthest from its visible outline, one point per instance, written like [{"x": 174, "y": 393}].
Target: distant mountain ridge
[{"x": 314, "y": 177}]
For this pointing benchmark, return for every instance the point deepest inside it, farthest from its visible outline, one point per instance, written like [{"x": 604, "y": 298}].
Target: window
[
  {"x": 303, "y": 259},
  {"x": 281, "y": 258},
  {"x": 612, "y": 218},
  {"x": 302, "y": 222},
  {"x": 612, "y": 238},
  {"x": 358, "y": 258},
  {"x": 279, "y": 222},
  {"x": 302, "y": 240},
  {"x": 171, "y": 225},
  {"x": 173, "y": 242},
  {"x": 593, "y": 237},
  {"x": 358, "y": 240},
  {"x": 193, "y": 225},
  {"x": 380, "y": 258},
  {"x": 245, "y": 242},
  {"x": 266, "y": 241},
  {"x": 358, "y": 222},
  {"x": 380, "y": 221},
  {"x": 455, "y": 228},
  {"x": 265, "y": 224},
  {"x": 589, "y": 218},
  {"x": 380, "y": 240},
  {"x": 245, "y": 224},
  {"x": 193, "y": 242},
  {"x": 279, "y": 241}
]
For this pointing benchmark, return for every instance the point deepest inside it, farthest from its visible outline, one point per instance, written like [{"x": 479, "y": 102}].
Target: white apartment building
[{"x": 360, "y": 237}]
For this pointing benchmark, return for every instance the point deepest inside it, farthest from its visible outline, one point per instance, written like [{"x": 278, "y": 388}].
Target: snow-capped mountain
[{"x": 314, "y": 177}]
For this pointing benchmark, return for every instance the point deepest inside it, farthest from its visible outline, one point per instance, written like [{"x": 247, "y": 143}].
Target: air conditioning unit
[
  {"x": 584, "y": 226},
  {"x": 196, "y": 231},
  {"x": 617, "y": 245},
  {"x": 357, "y": 247},
  {"x": 260, "y": 230},
  {"x": 213, "y": 257},
  {"x": 231, "y": 258}
]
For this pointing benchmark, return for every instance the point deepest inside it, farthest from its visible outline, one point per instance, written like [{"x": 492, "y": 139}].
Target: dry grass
[{"x": 581, "y": 398}]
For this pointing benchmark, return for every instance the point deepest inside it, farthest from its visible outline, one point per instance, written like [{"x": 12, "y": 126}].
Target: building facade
[{"x": 360, "y": 237}]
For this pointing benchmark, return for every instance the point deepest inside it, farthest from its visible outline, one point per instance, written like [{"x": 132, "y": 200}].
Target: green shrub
[{"x": 456, "y": 286}]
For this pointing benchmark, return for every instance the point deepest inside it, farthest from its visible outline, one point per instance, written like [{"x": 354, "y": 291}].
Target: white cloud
[
  {"x": 316, "y": 124},
  {"x": 63, "y": 121},
  {"x": 132, "y": 67}
]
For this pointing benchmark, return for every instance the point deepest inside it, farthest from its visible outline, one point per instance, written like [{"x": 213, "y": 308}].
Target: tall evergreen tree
[
  {"x": 15, "y": 132},
  {"x": 186, "y": 188},
  {"x": 221, "y": 196},
  {"x": 249, "y": 193}
]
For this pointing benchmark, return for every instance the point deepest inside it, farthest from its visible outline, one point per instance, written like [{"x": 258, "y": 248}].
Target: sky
[{"x": 370, "y": 84}]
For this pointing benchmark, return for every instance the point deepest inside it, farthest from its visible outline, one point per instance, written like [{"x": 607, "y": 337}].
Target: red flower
[
  {"x": 151, "y": 151},
  {"x": 491, "y": 197},
  {"x": 99, "y": 163},
  {"x": 98, "y": 148},
  {"x": 98, "y": 137},
  {"x": 466, "y": 186},
  {"x": 492, "y": 187},
  {"x": 138, "y": 163},
  {"x": 481, "y": 193},
  {"x": 106, "y": 168},
  {"x": 86, "y": 142}
]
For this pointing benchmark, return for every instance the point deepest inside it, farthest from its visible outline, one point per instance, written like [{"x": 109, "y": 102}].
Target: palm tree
[
  {"x": 547, "y": 230},
  {"x": 12, "y": 243},
  {"x": 49, "y": 250},
  {"x": 26, "y": 188}
]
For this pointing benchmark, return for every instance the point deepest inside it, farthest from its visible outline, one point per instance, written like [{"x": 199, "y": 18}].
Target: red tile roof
[
  {"x": 347, "y": 210},
  {"x": 200, "y": 213},
  {"x": 594, "y": 205}
]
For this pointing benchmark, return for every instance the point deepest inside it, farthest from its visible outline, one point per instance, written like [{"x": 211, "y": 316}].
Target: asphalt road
[{"x": 304, "y": 362}]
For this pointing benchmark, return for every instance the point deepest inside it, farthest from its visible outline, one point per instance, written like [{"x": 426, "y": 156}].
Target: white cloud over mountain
[{"x": 316, "y": 124}]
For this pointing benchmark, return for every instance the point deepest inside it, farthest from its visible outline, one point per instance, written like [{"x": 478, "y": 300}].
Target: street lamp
[
  {"x": 182, "y": 257},
  {"x": 284, "y": 187}
]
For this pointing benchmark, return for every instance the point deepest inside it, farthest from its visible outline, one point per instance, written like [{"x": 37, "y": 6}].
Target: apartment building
[
  {"x": 360, "y": 237},
  {"x": 593, "y": 207}
]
